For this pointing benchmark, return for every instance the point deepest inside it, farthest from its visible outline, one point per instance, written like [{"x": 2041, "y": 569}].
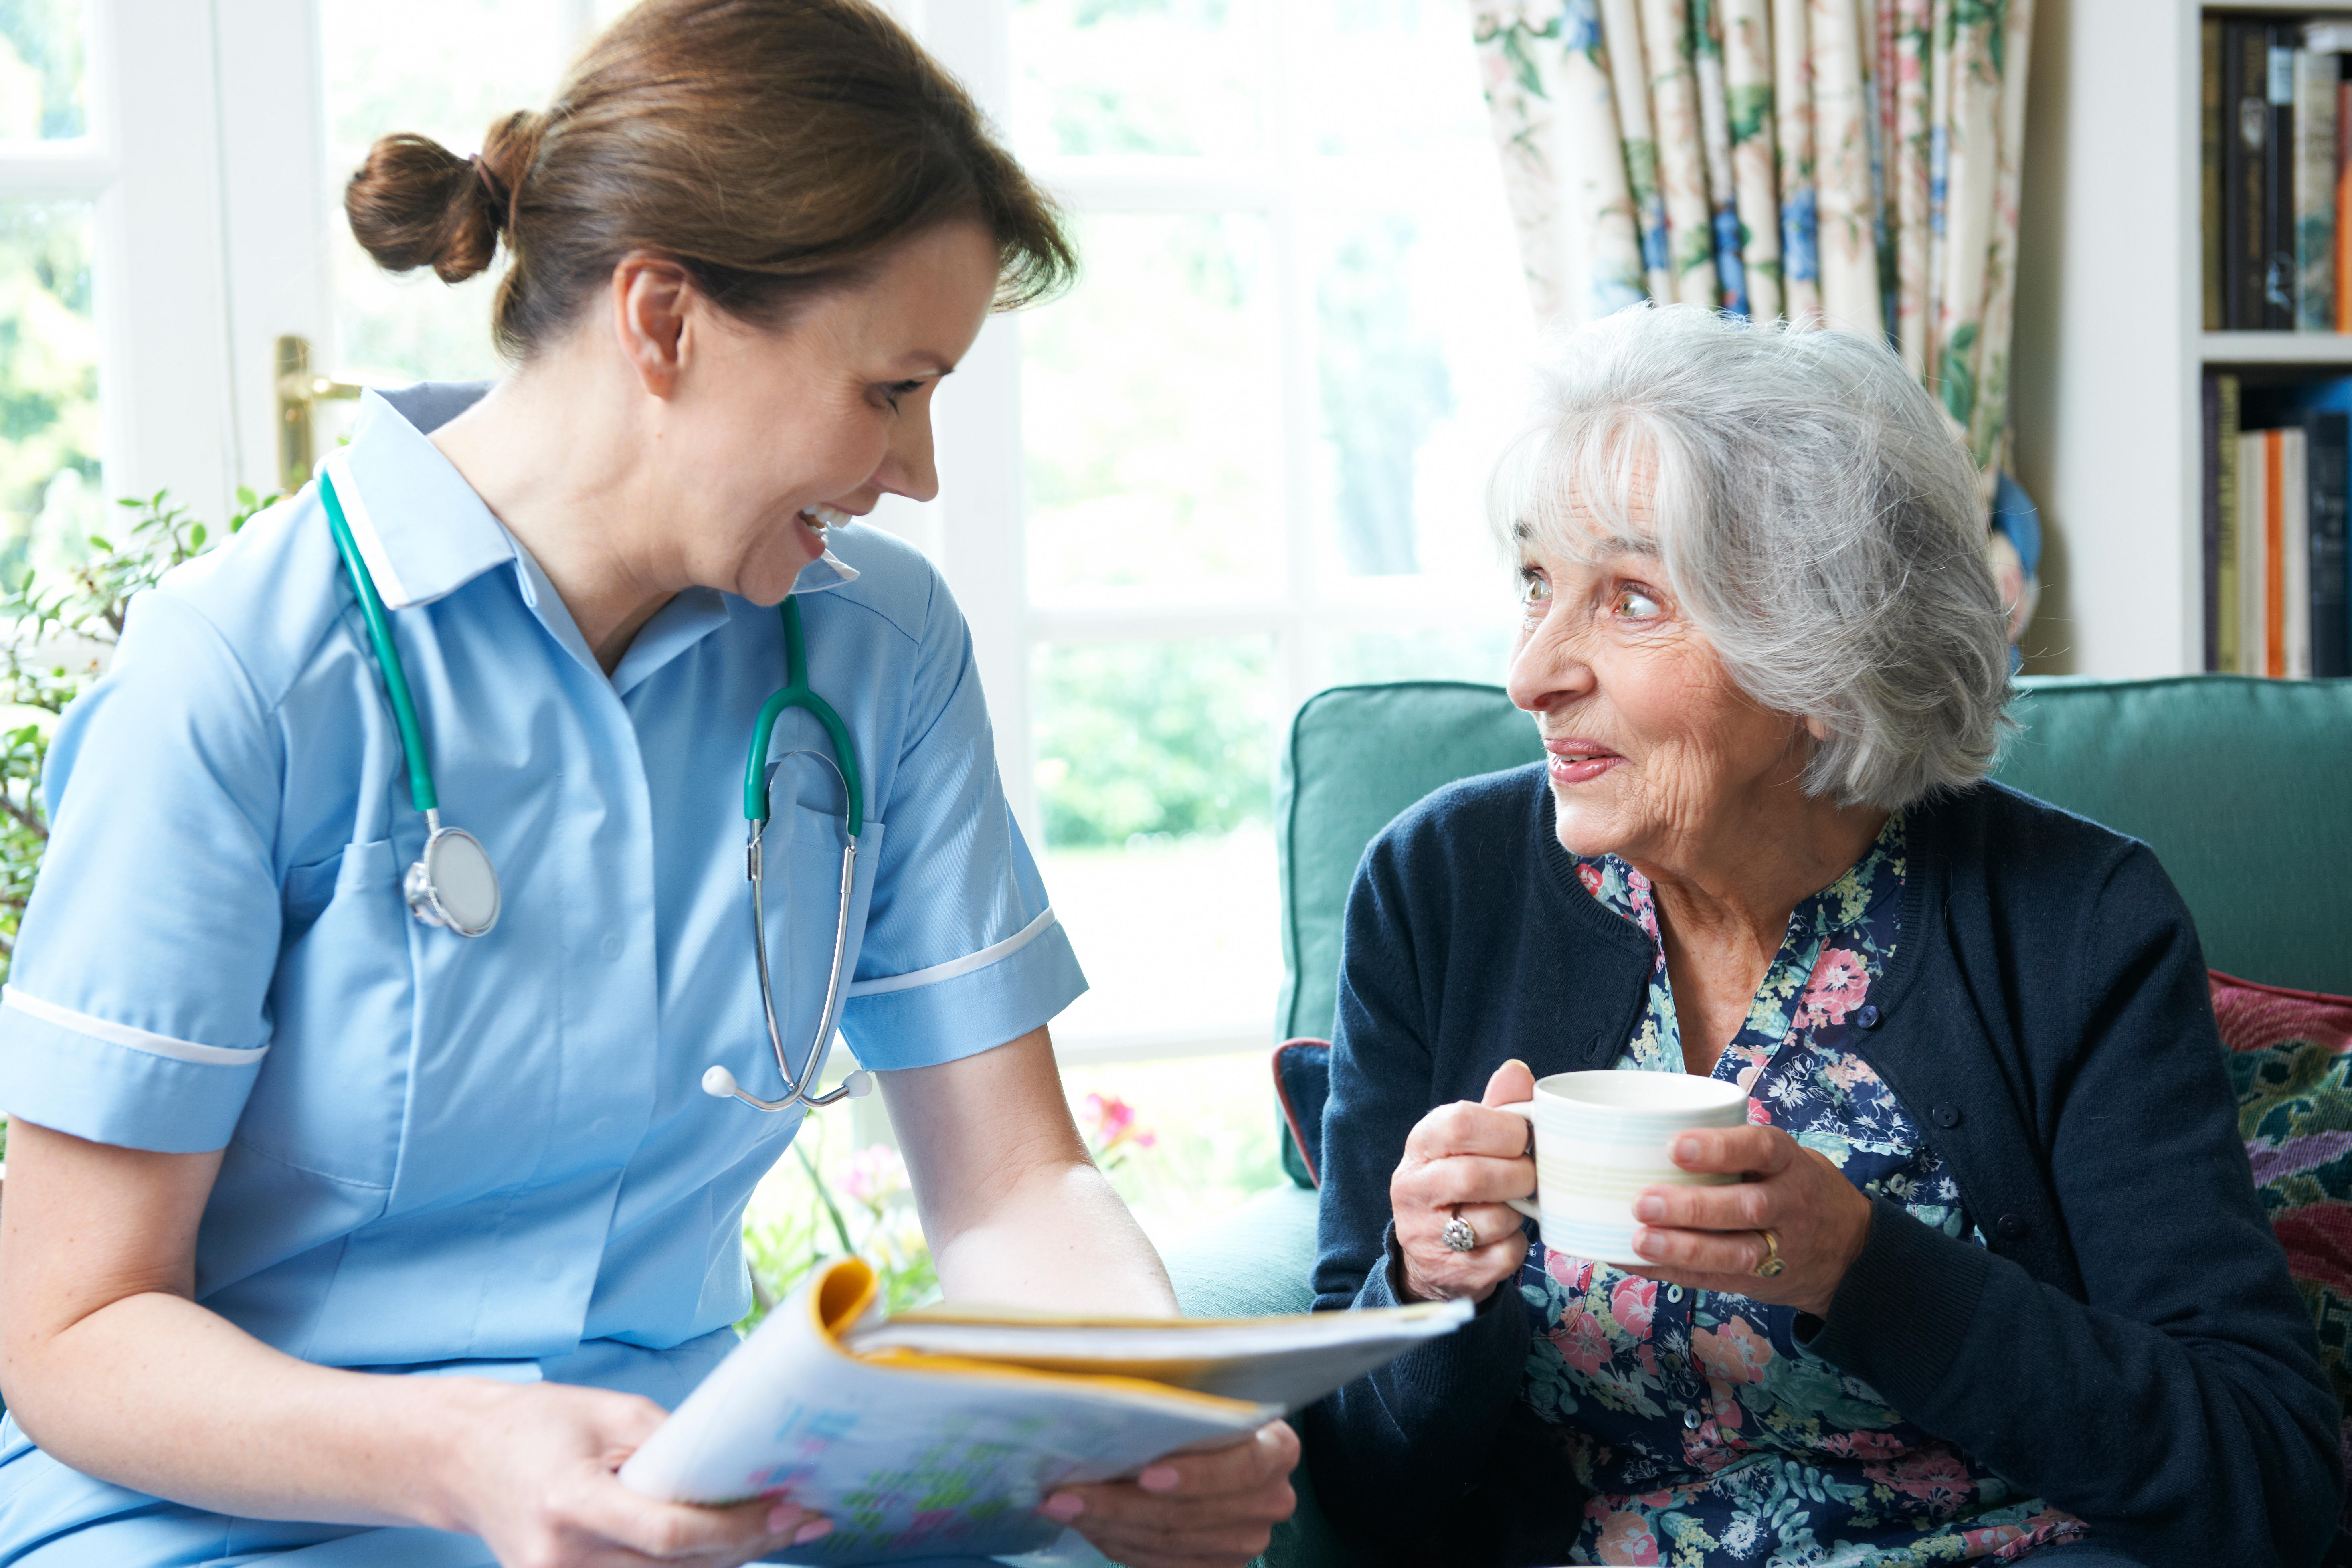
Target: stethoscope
[{"x": 454, "y": 886}]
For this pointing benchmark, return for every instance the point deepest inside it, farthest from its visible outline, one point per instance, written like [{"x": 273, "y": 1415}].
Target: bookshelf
[{"x": 2110, "y": 345}]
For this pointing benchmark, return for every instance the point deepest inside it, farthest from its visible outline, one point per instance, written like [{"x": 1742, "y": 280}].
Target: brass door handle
[{"x": 298, "y": 391}]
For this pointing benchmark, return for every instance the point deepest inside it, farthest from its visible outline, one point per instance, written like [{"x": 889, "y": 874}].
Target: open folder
[{"x": 940, "y": 1431}]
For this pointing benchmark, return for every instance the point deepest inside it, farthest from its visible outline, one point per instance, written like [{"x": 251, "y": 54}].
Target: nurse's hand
[
  {"x": 530, "y": 1470},
  {"x": 1191, "y": 1510}
]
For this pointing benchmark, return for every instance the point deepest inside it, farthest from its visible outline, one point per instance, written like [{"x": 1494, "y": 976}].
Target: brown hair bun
[{"x": 773, "y": 148}]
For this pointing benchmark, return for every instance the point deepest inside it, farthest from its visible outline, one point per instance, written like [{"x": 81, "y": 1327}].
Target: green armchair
[{"x": 2243, "y": 787}]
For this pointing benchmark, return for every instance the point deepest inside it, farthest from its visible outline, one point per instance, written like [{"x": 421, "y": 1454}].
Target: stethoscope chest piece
[{"x": 453, "y": 883}]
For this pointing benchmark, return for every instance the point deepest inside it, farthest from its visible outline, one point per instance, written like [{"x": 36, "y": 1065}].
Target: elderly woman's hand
[
  {"x": 1189, "y": 1511},
  {"x": 1711, "y": 1239},
  {"x": 1464, "y": 1159}
]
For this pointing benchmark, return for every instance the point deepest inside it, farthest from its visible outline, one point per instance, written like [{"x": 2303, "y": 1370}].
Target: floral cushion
[{"x": 2291, "y": 1064}]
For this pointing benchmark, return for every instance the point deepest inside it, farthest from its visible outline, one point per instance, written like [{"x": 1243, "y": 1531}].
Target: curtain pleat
[
  {"x": 1793, "y": 153},
  {"x": 1849, "y": 161},
  {"x": 1748, "y": 101}
]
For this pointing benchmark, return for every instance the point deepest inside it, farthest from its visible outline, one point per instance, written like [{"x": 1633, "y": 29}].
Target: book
[
  {"x": 2343, "y": 206},
  {"x": 2254, "y": 480},
  {"x": 2329, "y": 453},
  {"x": 2209, "y": 40},
  {"x": 2278, "y": 179},
  {"x": 2318, "y": 411},
  {"x": 2286, "y": 575},
  {"x": 2208, "y": 435},
  {"x": 2329, "y": 35},
  {"x": 2246, "y": 130},
  {"x": 2222, "y": 580},
  {"x": 940, "y": 1432},
  {"x": 2312, "y": 181}
]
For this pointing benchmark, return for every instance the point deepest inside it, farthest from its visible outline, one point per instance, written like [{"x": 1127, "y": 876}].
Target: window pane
[
  {"x": 445, "y": 68},
  {"x": 1370, "y": 56},
  {"x": 1423, "y": 341},
  {"x": 1155, "y": 784},
  {"x": 1151, "y": 414},
  {"x": 48, "y": 385},
  {"x": 1135, "y": 76},
  {"x": 41, "y": 86}
]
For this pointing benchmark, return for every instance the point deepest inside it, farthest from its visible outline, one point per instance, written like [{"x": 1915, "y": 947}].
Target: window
[
  {"x": 1251, "y": 451},
  {"x": 53, "y": 172}
]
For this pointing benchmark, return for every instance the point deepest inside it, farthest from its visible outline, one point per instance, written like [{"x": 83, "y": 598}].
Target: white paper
[{"x": 909, "y": 1458}]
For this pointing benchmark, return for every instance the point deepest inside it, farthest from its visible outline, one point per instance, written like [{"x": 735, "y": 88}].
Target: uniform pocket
[{"x": 330, "y": 1094}]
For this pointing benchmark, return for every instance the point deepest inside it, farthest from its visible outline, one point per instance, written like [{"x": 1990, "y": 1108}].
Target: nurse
[{"x": 338, "y": 1238}]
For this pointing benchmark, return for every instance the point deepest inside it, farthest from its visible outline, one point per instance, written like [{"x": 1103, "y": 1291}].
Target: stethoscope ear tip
[
  {"x": 718, "y": 1083},
  {"x": 857, "y": 1085}
]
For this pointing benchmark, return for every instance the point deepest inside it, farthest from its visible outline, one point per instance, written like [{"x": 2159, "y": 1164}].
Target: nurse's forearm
[
  {"x": 1015, "y": 1211},
  {"x": 1062, "y": 1241},
  {"x": 159, "y": 1394},
  {"x": 110, "y": 1367}
]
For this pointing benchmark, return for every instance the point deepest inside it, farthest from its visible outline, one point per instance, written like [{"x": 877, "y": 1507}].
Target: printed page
[{"x": 910, "y": 1455}]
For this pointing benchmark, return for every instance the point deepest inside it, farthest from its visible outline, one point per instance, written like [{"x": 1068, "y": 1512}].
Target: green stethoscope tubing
[
  {"x": 795, "y": 693},
  {"x": 425, "y": 900},
  {"x": 387, "y": 657}
]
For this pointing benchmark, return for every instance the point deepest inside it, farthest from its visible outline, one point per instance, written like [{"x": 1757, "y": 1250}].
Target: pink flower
[
  {"x": 1850, "y": 1073},
  {"x": 1572, "y": 1273},
  {"x": 1590, "y": 875},
  {"x": 1626, "y": 1538},
  {"x": 874, "y": 1174},
  {"x": 1580, "y": 1340},
  {"x": 1631, "y": 1302},
  {"x": 1934, "y": 1475},
  {"x": 1735, "y": 1352},
  {"x": 1862, "y": 1444},
  {"x": 1837, "y": 986},
  {"x": 1110, "y": 1122}
]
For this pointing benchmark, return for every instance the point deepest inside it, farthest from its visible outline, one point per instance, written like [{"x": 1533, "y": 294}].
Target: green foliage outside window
[
  {"x": 63, "y": 626},
  {"x": 1152, "y": 738}
]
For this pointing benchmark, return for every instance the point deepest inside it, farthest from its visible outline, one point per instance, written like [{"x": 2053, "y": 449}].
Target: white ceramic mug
[{"x": 1602, "y": 1138}]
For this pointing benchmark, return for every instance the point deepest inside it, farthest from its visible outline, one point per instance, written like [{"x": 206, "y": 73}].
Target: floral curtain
[{"x": 1851, "y": 162}]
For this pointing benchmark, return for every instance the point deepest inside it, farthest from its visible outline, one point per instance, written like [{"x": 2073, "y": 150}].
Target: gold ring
[{"x": 1772, "y": 1263}]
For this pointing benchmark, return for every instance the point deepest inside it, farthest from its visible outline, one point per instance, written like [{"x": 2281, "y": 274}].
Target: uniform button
[
  {"x": 602, "y": 1126},
  {"x": 2011, "y": 1226},
  {"x": 1945, "y": 1116},
  {"x": 612, "y": 948},
  {"x": 1690, "y": 1419},
  {"x": 1866, "y": 1015},
  {"x": 549, "y": 1268}
]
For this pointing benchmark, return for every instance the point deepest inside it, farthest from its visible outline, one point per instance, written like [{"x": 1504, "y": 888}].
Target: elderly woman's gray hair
[{"x": 1814, "y": 514}]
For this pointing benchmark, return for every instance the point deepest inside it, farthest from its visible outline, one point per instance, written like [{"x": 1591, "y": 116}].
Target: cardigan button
[
  {"x": 2011, "y": 1226},
  {"x": 1866, "y": 1015},
  {"x": 1592, "y": 1047},
  {"x": 1947, "y": 1116}
]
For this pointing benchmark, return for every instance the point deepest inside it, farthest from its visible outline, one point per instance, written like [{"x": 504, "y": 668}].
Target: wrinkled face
[
  {"x": 773, "y": 429},
  {"x": 1653, "y": 753}
]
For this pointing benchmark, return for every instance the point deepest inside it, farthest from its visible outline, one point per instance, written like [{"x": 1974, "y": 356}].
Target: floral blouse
[{"x": 1706, "y": 1433}]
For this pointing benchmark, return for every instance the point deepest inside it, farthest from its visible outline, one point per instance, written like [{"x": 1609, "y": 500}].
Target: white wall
[{"x": 2104, "y": 381}]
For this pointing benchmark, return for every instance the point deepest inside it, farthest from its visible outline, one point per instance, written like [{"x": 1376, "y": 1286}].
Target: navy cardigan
[{"x": 2129, "y": 1348}]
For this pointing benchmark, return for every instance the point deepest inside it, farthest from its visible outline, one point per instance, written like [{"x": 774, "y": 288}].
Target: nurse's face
[{"x": 768, "y": 428}]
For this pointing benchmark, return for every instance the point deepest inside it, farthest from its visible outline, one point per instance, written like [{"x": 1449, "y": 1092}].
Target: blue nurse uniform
[{"x": 490, "y": 1157}]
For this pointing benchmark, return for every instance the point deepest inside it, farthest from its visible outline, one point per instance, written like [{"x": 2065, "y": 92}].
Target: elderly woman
[{"x": 2025, "y": 1302}]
